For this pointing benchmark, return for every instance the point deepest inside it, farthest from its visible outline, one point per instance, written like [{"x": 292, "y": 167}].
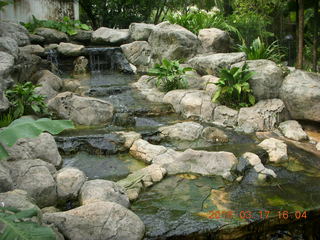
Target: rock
[
  {"x": 6, "y": 67},
  {"x": 197, "y": 162},
  {"x": 277, "y": 149},
  {"x": 188, "y": 131},
  {"x": 36, "y": 39},
  {"x": 293, "y": 130},
  {"x": 81, "y": 110},
  {"x": 172, "y": 42},
  {"x": 52, "y": 35},
  {"x": 211, "y": 64},
  {"x": 98, "y": 221},
  {"x": 17, "y": 199},
  {"x": 80, "y": 66},
  {"x": 82, "y": 36},
  {"x": 141, "y": 31},
  {"x": 130, "y": 138},
  {"x": 69, "y": 182},
  {"x": 195, "y": 81},
  {"x": 35, "y": 177},
  {"x": 52, "y": 46},
  {"x": 51, "y": 209},
  {"x": 107, "y": 36},
  {"x": 103, "y": 190},
  {"x": 27, "y": 65},
  {"x": 263, "y": 116},
  {"x": 4, "y": 102},
  {"x": 71, "y": 85},
  {"x": 210, "y": 86},
  {"x": 139, "y": 54},
  {"x": 15, "y": 31},
  {"x": 225, "y": 116},
  {"x": 318, "y": 146},
  {"x": 214, "y": 40},
  {"x": 148, "y": 89},
  {"x": 145, "y": 151},
  {"x": 300, "y": 92},
  {"x": 194, "y": 104},
  {"x": 6, "y": 183},
  {"x": 9, "y": 45},
  {"x": 32, "y": 49},
  {"x": 213, "y": 134},
  {"x": 43, "y": 147},
  {"x": 267, "y": 79},
  {"x": 70, "y": 49}
]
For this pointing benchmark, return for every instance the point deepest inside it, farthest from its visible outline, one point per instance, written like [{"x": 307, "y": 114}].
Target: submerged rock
[
  {"x": 213, "y": 134},
  {"x": 15, "y": 31},
  {"x": 141, "y": 31},
  {"x": 293, "y": 130},
  {"x": 98, "y": 221},
  {"x": 105, "y": 35},
  {"x": 277, "y": 149},
  {"x": 214, "y": 40}
]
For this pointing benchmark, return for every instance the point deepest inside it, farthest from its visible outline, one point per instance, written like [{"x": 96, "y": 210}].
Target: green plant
[
  {"x": 15, "y": 226},
  {"x": 67, "y": 25},
  {"x": 259, "y": 50},
  {"x": 169, "y": 75},
  {"x": 6, "y": 119},
  {"x": 29, "y": 128},
  {"x": 24, "y": 100},
  {"x": 3, "y": 4},
  {"x": 234, "y": 89}
]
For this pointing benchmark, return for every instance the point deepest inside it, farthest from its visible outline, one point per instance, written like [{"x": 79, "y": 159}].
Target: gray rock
[
  {"x": 139, "y": 54},
  {"x": 82, "y": 36},
  {"x": 188, "y": 131},
  {"x": 105, "y": 35},
  {"x": 15, "y": 31},
  {"x": 102, "y": 190},
  {"x": 141, "y": 31},
  {"x": 172, "y": 42},
  {"x": 145, "y": 151},
  {"x": 32, "y": 49},
  {"x": 35, "y": 177},
  {"x": 6, "y": 183},
  {"x": 70, "y": 49},
  {"x": 17, "y": 199},
  {"x": 300, "y": 92},
  {"x": 195, "y": 81},
  {"x": 81, "y": 110},
  {"x": 69, "y": 182},
  {"x": 4, "y": 102},
  {"x": 71, "y": 85},
  {"x": 267, "y": 79},
  {"x": 148, "y": 89},
  {"x": 98, "y": 221},
  {"x": 225, "y": 116},
  {"x": 80, "y": 66},
  {"x": 277, "y": 149},
  {"x": 211, "y": 64},
  {"x": 210, "y": 86},
  {"x": 52, "y": 35},
  {"x": 293, "y": 130},
  {"x": 9, "y": 45},
  {"x": 213, "y": 134},
  {"x": 43, "y": 147},
  {"x": 263, "y": 116},
  {"x": 6, "y": 67},
  {"x": 130, "y": 138},
  {"x": 197, "y": 162},
  {"x": 36, "y": 39},
  {"x": 214, "y": 40}
]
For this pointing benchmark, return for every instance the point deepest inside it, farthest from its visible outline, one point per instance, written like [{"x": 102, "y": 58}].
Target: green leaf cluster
[
  {"x": 3, "y": 4},
  {"x": 259, "y": 50},
  {"x": 234, "y": 88},
  {"x": 15, "y": 224},
  {"x": 29, "y": 128},
  {"x": 169, "y": 75},
  {"x": 67, "y": 25}
]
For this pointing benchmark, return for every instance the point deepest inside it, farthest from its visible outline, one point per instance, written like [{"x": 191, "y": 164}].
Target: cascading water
[{"x": 52, "y": 56}]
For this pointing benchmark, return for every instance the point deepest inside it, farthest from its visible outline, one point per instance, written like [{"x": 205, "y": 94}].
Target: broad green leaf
[
  {"x": 216, "y": 95},
  {"x": 252, "y": 99}
]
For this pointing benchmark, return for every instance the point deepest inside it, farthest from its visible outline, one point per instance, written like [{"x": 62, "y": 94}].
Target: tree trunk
[
  {"x": 315, "y": 36},
  {"x": 300, "y": 35}
]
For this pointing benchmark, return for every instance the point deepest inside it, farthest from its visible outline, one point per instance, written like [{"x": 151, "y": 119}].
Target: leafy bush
[
  {"x": 169, "y": 75},
  {"x": 234, "y": 88},
  {"x": 259, "y": 50},
  {"x": 15, "y": 226},
  {"x": 24, "y": 100},
  {"x": 29, "y": 128},
  {"x": 67, "y": 25}
]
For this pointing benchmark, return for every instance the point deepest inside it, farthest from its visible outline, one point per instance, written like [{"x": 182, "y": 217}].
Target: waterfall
[{"x": 52, "y": 56}]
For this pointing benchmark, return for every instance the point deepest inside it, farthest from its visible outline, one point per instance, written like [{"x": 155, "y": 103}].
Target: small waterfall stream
[{"x": 52, "y": 56}]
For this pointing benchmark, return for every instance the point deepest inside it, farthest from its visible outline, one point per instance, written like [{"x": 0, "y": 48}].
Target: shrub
[
  {"x": 234, "y": 88},
  {"x": 259, "y": 50},
  {"x": 169, "y": 75},
  {"x": 67, "y": 25}
]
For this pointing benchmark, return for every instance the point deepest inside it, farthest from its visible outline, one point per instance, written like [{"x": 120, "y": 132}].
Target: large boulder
[
  {"x": 225, "y": 116},
  {"x": 52, "y": 35},
  {"x": 214, "y": 40},
  {"x": 145, "y": 151},
  {"x": 263, "y": 116},
  {"x": 82, "y": 36},
  {"x": 277, "y": 149},
  {"x": 32, "y": 49},
  {"x": 9, "y": 45},
  {"x": 36, "y": 178},
  {"x": 141, "y": 31},
  {"x": 70, "y": 49},
  {"x": 17, "y": 199},
  {"x": 293, "y": 130},
  {"x": 172, "y": 42},
  {"x": 266, "y": 80},
  {"x": 108, "y": 36},
  {"x": 81, "y": 110},
  {"x": 103, "y": 190},
  {"x": 69, "y": 182},
  {"x": 6, "y": 183},
  {"x": 130, "y": 138},
  {"x": 211, "y": 64},
  {"x": 147, "y": 88},
  {"x": 188, "y": 131},
  {"x": 43, "y": 147},
  {"x": 300, "y": 92},
  {"x": 98, "y": 221},
  {"x": 138, "y": 53},
  {"x": 15, "y": 31},
  {"x": 6, "y": 67}
]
